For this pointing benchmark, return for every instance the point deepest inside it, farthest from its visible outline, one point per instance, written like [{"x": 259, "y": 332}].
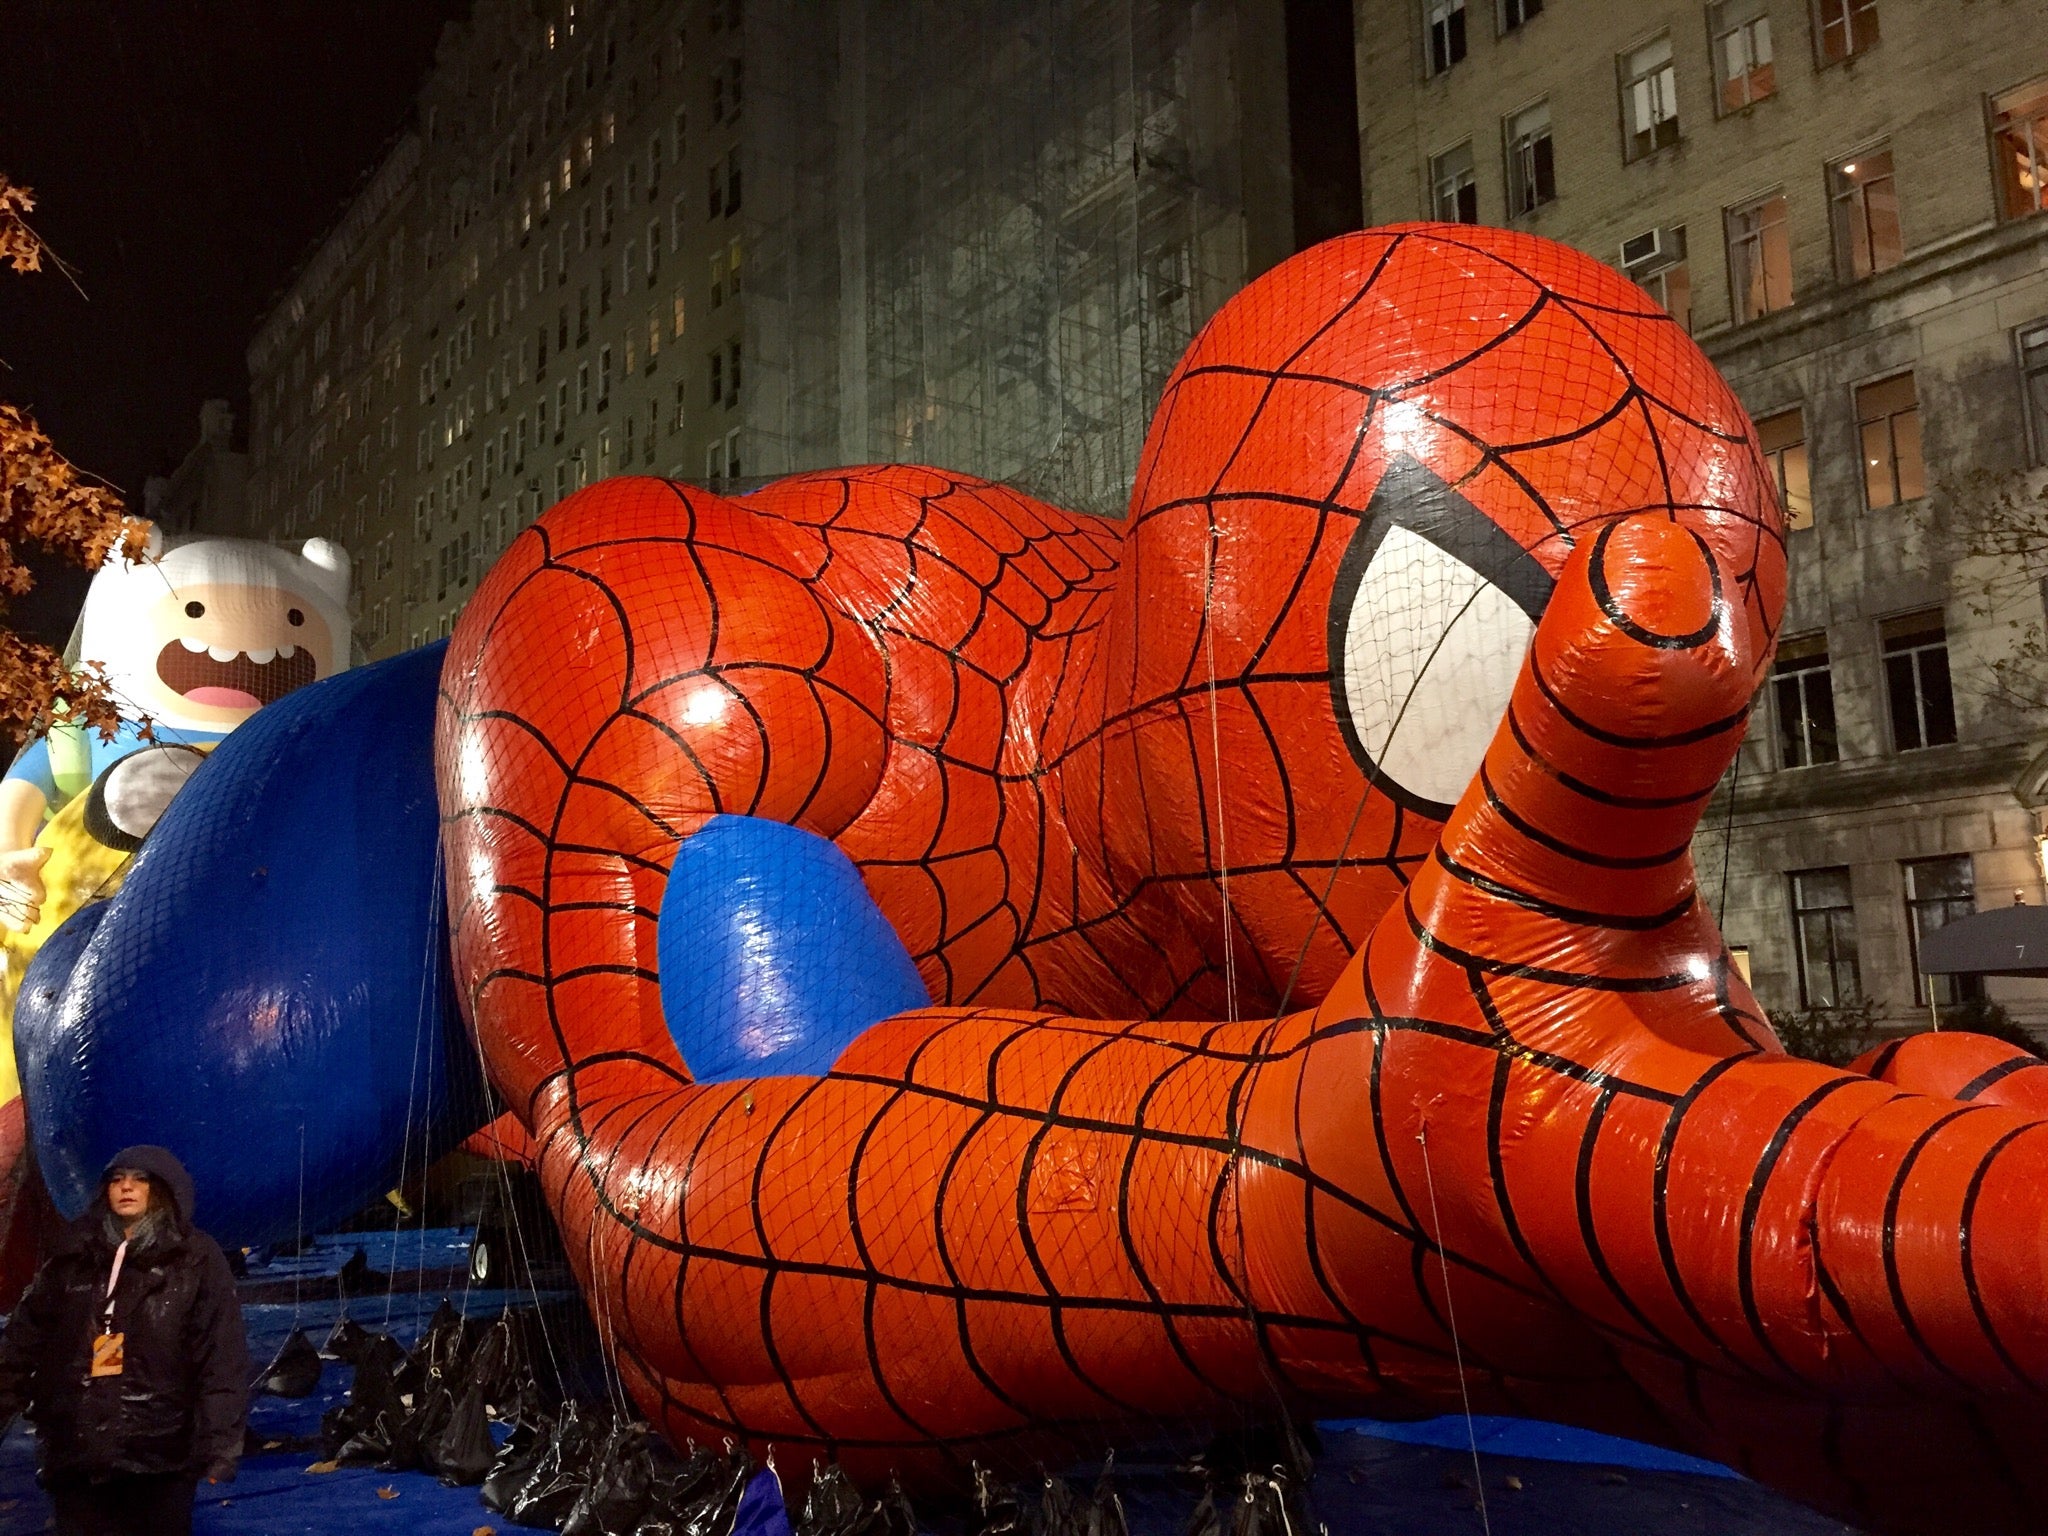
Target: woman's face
[{"x": 128, "y": 1193}]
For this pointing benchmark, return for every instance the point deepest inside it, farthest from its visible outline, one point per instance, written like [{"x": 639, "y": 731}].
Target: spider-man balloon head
[{"x": 1358, "y": 487}]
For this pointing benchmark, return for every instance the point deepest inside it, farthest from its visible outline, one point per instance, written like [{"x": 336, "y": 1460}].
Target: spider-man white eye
[{"x": 1431, "y": 615}]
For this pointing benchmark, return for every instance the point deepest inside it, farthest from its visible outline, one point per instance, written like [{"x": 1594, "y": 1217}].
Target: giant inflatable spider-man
[{"x": 980, "y": 978}]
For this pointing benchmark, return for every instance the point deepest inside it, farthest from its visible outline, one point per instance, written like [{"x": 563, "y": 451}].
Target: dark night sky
[{"x": 184, "y": 154}]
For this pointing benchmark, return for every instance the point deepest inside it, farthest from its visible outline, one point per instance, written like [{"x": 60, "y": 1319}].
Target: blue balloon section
[
  {"x": 268, "y": 994},
  {"x": 773, "y": 954}
]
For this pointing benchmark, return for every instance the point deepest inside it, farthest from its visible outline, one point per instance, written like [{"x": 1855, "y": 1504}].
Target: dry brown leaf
[
  {"x": 325, "y": 1466},
  {"x": 387, "y": 1493}
]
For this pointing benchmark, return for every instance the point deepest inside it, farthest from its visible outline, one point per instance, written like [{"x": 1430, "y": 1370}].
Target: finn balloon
[{"x": 1322, "y": 1011}]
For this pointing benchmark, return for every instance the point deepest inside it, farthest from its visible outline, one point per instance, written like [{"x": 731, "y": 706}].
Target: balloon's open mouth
[{"x": 232, "y": 679}]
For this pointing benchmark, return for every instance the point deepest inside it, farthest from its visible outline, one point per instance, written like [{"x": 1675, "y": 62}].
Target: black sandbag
[
  {"x": 996, "y": 1510},
  {"x": 514, "y": 1464},
  {"x": 711, "y": 1512},
  {"x": 295, "y": 1372},
  {"x": 1059, "y": 1512},
  {"x": 560, "y": 1476},
  {"x": 339, "y": 1425},
  {"x": 620, "y": 1488},
  {"x": 462, "y": 1453},
  {"x": 370, "y": 1446},
  {"x": 890, "y": 1515},
  {"x": 1105, "y": 1514},
  {"x": 345, "y": 1341},
  {"x": 833, "y": 1506},
  {"x": 356, "y": 1278},
  {"x": 377, "y": 1386}
]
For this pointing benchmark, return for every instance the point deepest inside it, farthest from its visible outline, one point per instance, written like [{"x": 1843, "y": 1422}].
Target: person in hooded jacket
[{"x": 128, "y": 1353}]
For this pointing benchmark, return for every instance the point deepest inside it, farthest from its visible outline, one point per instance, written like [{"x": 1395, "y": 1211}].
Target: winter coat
[{"x": 181, "y": 1401}]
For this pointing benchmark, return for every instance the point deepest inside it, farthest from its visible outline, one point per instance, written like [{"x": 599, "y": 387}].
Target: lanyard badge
[{"x": 108, "y": 1354}]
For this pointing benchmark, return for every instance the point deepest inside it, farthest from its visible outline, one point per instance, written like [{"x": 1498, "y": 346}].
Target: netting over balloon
[{"x": 1322, "y": 1012}]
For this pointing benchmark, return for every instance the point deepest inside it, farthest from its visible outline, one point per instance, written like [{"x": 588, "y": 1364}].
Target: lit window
[
  {"x": 1783, "y": 438},
  {"x": 1916, "y": 681},
  {"x": 2019, "y": 146},
  {"x": 1824, "y": 933},
  {"x": 1866, "y": 214},
  {"x": 1759, "y": 257},
  {"x": 1649, "y": 93},
  {"x": 1803, "y": 691},
  {"x": 1532, "y": 169},
  {"x": 1843, "y": 28},
  {"x": 1888, "y": 412},
  {"x": 1454, "y": 191},
  {"x": 1446, "y": 34}
]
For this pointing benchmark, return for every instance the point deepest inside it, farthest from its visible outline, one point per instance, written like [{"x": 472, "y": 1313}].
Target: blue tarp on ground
[{"x": 1373, "y": 1479}]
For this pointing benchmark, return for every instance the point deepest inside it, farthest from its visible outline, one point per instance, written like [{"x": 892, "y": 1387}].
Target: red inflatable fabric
[{"x": 1327, "y": 1016}]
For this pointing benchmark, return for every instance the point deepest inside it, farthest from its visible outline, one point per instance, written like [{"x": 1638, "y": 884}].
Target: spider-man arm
[{"x": 1563, "y": 1061}]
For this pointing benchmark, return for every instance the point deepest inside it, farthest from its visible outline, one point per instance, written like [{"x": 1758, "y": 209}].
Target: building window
[
  {"x": 1515, "y": 12},
  {"x": 732, "y": 454},
  {"x": 1649, "y": 98},
  {"x": 1446, "y": 35},
  {"x": 732, "y": 375},
  {"x": 1656, "y": 260},
  {"x": 717, "y": 279},
  {"x": 1824, "y": 936},
  {"x": 1843, "y": 28},
  {"x": 1803, "y": 691},
  {"x": 2019, "y": 147},
  {"x": 717, "y": 361},
  {"x": 1938, "y": 891},
  {"x": 1916, "y": 682},
  {"x": 1532, "y": 168},
  {"x": 1888, "y": 413},
  {"x": 1454, "y": 192},
  {"x": 1743, "y": 70},
  {"x": 1759, "y": 257},
  {"x": 1865, "y": 199},
  {"x": 1783, "y": 438},
  {"x": 2032, "y": 342},
  {"x": 732, "y": 182},
  {"x": 604, "y": 377}
]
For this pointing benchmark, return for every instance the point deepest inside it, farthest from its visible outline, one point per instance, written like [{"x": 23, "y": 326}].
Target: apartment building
[
  {"x": 1841, "y": 199},
  {"x": 716, "y": 243}
]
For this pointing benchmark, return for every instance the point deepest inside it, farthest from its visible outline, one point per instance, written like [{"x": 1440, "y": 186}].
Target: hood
[{"x": 162, "y": 1165}]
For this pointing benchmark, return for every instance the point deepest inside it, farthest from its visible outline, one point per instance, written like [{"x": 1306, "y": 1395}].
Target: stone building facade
[
  {"x": 1842, "y": 198},
  {"x": 717, "y": 241},
  {"x": 209, "y": 490}
]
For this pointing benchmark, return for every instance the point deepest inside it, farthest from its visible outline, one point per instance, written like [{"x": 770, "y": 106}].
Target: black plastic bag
[
  {"x": 296, "y": 1370},
  {"x": 559, "y": 1477},
  {"x": 711, "y": 1512},
  {"x": 1059, "y": 1512},
  {"x": 514, "y": 1465},
  {"x": 346, "y": 1340},
  {"x": 996, "y": 1511},
  {"x": 368, "y": 1446},
  {"x": 890, "y": 1515},
  {"x": 339, "y": 1425},
  {"x": 621, "y": 1486},
  {"x": 1105, "y": 1514},
  {"x": 356, "y": 1278},
  {"x": 833, "y": 1506},
  {"x": 462, "y": 1452}
]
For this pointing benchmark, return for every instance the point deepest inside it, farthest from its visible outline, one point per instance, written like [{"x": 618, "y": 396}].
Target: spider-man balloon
[{"x": 979, "y": 976}]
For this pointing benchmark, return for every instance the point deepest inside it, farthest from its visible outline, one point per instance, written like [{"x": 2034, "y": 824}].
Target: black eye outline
[
  {"x": 294, "y": 617},
  {"x": 195, "y": 609},
  {"x": 1411, "y": 495}
]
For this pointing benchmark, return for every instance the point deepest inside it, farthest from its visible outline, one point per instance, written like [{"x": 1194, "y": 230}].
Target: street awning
[{"x": 2007, "y": 941}]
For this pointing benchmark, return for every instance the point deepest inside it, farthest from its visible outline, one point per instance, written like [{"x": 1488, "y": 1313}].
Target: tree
[
  {"x": 1994, "y": 524},
  {"x": 46, "y": 502}
]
